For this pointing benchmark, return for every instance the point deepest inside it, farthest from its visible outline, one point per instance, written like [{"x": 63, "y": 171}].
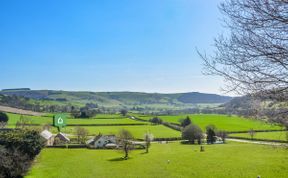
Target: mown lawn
[
  {"x": 232, "y": 160},
  {"x": 281, "y": 135},
  {"x": 223, "y": 122},
  {"x": 158, "y": 131}
]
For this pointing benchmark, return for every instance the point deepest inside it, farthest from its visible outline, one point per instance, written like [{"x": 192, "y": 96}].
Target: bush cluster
[{"x": 18, "y": 148}]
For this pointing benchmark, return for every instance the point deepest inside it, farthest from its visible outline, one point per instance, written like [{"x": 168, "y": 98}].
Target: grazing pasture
[
  {"x": 103, "y": 121},
  {"x": 223, "y": 122},
  {"x": 13, "y": 118},
  {"x": 170, "y": 160},
  {"x": 138, "y": 131},
  {"x": 99, "y": 119},
  {"x": 281, "y": 135}
]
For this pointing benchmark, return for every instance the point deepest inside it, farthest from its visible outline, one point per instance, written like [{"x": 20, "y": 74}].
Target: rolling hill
[{"x": 119, "y": 99}]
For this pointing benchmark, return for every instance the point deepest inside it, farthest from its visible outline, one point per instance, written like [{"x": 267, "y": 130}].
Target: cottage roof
[
  {"x": 96, "y": 138},
  {"x": 90, "y": 141},
  {"x": 63, "y": 136},
  {"x": 46, "y": 134},
  {"x": 111, "y": 145}
]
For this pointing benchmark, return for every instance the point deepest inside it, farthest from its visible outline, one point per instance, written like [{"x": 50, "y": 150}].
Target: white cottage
[
  {"x": 103, "y": 141},
  {"x": 48, "y": 136}
]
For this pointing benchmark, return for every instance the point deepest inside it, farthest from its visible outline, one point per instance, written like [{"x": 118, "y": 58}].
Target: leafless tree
[
  {"x": 23, "y": 122},
  {"x": 125, "y": 141},
  {"x": 148, "y": 138},
  {"x": 82, "y": 134},
  {"x": 46, "y": 126},
  {"x": 253, "y": 56}
]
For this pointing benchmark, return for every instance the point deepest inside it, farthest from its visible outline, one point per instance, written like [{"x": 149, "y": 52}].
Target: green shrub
[
  {"x": 3, "y": 119},
  {"x": 17, "y": 150}
]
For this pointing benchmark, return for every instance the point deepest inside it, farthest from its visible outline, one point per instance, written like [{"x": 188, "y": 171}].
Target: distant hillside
[
  {"x": 257, "y": 107},
  {"x": 120, "y": 99},
  {"x": 202, "y": 98},
  {"x": 16, "y": 89}
]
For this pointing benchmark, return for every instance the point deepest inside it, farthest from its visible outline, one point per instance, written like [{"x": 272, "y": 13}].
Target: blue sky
[{"x": 97, "y": 45}]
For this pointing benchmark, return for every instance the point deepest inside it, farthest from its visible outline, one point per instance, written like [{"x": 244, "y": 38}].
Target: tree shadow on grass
[{"x": 118, "y": 159}]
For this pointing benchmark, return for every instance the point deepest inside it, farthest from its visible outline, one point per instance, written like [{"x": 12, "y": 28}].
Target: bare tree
[
  {"x": 46, "y": 126},
  {"x": 253, "y": 58},
  {"x": 82, "y": 134},
  {"x": 148, "y": 138},
  {"x": 125, "y": 141},
  {"x": 23, "y": 122}
]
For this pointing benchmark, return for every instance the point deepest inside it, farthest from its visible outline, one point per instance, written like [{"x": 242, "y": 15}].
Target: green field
[
  {"x": 13, "y": 118},
  {"x": 158, "y": 131},
  {"x": 99, "y": 119},
  {"x": 223, "y": 122},
  {"x": 232, "y": 123},
  {"x": 103, "y": 121},
  {"x": 232, "y": 160},
  {"x": 264, "y": 135}
]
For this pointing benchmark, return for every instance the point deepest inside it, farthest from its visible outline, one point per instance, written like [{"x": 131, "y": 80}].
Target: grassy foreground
[
  {"x": 264, "y": 135},
  {"x": 237, "y": 160}
]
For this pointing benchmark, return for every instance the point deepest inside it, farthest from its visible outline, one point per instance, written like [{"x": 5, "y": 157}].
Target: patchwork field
[
  {"x": 138, "y": 131},
  {"x": 218, "y": 161},
  {"x": 264, "y": 135},
  {"x": 235, "y": 160},
  {"x": 223, "y": 122},
  {"x": 229, "y": 123}
]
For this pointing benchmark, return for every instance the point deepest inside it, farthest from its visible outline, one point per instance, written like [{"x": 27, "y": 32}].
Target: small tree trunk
[
  {"x": 147, "y": 146},
  {"x": 126, "y": 154},
  {"x": 199, "y": 141},
  {"x": 202, "y": 149},
  {"x": 126, "y": 151}
]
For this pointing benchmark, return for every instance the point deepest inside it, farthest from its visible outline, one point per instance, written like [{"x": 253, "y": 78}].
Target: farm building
[
  {"x": 61, "y": 138},
  {"x": 48, "y": 136},
  {"x": 103, "y": 141}
]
